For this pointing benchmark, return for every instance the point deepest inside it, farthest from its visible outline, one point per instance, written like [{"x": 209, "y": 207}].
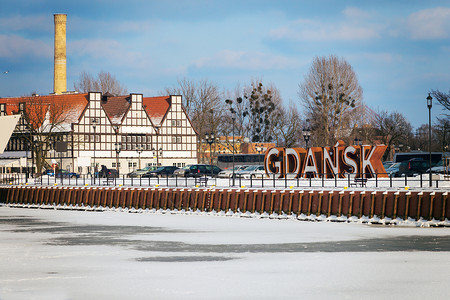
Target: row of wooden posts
[{"x": 416, "y": 205}]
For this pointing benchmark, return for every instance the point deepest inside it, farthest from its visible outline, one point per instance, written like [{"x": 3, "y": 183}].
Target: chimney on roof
[{"x": 59, "y": 69}]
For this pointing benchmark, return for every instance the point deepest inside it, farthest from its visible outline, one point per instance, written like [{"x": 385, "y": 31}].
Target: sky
[{"x": 399, "y": 49}]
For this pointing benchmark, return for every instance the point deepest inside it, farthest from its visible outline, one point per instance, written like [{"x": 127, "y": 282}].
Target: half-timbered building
[{"x": 94, "y": 129}]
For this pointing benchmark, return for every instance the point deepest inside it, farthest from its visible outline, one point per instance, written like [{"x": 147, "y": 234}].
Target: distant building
[{"x": 124, "y": 132}]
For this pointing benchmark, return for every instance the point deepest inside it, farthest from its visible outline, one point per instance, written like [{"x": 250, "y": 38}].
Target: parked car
[
  {"x": 66, "y": 174},
  {"x": 413, "y": 167},
  {"x": 438, "y": 168},
  {"x": 387, "y": 164},
  {"x": 107, "y": 173},
  {"x": 393, "y": 170},
  {"x": 143, "y": 171},
  {"x": 256, "y": 171},
  {"x": 197, "y": 171},
  {"x": 164, "y": 171},
  {"x": 229, "y": 172},
  {"x": 48, "y": 172},
  {"x": 61, "y": 174}
]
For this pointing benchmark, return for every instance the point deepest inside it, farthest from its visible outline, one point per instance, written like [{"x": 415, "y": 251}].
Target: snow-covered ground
[{"x": 61, "y": 254}]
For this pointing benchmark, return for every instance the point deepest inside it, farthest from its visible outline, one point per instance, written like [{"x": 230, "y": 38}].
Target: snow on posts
[
  {"x": 445, "y": 207},
  {"x": 432, "y": 195},
  {"x": 383, "y": 205},
  {"x": 419, "y": 205},
  {"x": 408, "y": 197}
]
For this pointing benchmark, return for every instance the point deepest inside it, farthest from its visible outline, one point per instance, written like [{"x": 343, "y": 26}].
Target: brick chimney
[{"x": 59, "y": 74}]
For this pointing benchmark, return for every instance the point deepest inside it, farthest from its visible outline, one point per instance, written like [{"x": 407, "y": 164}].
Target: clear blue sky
[{"x": 400, "y": 50}]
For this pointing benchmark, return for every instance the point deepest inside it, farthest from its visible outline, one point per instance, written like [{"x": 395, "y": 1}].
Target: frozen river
[{"x": 56, "y": 254}]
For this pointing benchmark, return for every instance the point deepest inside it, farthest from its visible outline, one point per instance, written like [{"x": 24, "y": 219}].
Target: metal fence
[{"x": 289, "y": 181}]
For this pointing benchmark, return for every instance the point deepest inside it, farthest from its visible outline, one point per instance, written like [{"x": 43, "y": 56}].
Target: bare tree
[
  {"x": 287, "y": 126},
  {"x": 105, "y": 83},
  {"x": 329, "y": 93},
  {"x": 442, "y": 98},
  {"x": 255, "y": 110},
  {"x": 203, "y": 103},
  {"x": 42, "y": 122},
  {"x": 393, "y": 128}
]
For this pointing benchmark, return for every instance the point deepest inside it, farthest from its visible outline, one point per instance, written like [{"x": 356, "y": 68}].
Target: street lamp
[
  {"x": 117, "y": 148},
  {"x": 259, "y": 149},
  {"x": 157, "y": 128},
  {"x": 94, "y": 122},
  {"x": 210, "y": 140},
  {"x": 157, "y": 156},
  {"x": 306, "y": 135},
  {"x": 233, "y": 117},
  {"x": 139, "y": 150},
  {"x": 429, "y": 104}
]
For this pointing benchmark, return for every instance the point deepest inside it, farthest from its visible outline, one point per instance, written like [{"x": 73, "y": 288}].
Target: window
[
  {"x": 132, "y": 164},
  {"x": 113, "y": 165},
  {"x": 2, "y": 109},
  {"x": 179, "y": 123},
  {"x": 22, "y": 107}
]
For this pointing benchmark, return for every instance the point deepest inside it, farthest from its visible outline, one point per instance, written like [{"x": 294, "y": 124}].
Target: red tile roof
[
  {"x": 116, "y": 107},
  {"x": 71, "y": 107},
  {"x": 156, "y": 108}
]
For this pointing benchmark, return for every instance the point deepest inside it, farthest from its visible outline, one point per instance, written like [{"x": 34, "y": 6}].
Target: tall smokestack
[{"x": 59, "y": 74}]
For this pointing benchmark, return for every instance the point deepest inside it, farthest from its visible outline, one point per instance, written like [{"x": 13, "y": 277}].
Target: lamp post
[
  {"x": 157, "y": 128},
  {"x": 306, "y": 135},
  {"x": 158, "y": 152},
  {"x": 117, "y": 148},
  {"x": 259, "y": 149},
  {"x": 233, "y": 118},
  {"x": 210, "y": 140},
  {"x": 139, "y": 150},
  {"x": 429, "y": 104},
  {"x": 94, "y": 122}
]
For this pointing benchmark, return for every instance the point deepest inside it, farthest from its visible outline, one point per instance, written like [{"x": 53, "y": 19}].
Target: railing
[{"x": 341, "y": 180}]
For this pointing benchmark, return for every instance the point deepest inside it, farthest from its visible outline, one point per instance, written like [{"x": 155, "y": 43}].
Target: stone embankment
[{"x": 387, "y": 207}]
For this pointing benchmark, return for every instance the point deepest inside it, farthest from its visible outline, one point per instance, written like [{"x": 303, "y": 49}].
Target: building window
[
  {"x": 132, "y": 164},
  {"x": 114, "y": 165},
  {"x": 22, "y": 107},
  {"x": 2, "y": 109}
]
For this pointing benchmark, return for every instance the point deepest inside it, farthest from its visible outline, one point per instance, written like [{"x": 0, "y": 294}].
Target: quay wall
[{"x": 415, "y": 205}]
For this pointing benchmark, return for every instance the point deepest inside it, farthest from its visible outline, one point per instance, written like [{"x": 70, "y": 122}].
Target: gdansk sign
[{"x": 358, "y": 161}]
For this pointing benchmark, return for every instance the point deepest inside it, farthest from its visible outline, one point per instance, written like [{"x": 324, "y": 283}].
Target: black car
[
  {"x": 197, "y": 171},
  {"x": 108, "y": 173},
  {"x": 164, "y": 171},
  {"x": 413, "y": 167}
]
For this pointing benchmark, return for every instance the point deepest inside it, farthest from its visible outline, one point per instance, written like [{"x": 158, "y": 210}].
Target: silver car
[
  {"x": 256, "y": 171},
  {"x": 227, "y": 173}
]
